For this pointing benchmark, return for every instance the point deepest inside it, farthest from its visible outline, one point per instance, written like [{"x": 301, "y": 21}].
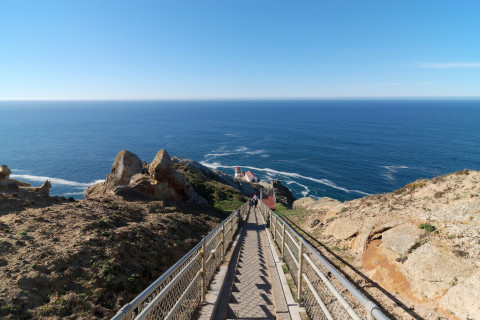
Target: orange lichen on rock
[{"x": 383, "y": 269}]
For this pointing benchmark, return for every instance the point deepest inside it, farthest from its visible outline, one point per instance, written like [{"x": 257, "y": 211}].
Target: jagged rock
[
  {"x": 283, "y": 195},
  {"x": 125, "y": 166},
  {"x": 463, "y": 299},
  {"x": 129, "y": 179},
  {"x": 402, "y": 238},
  {"x": 162, "y": 166},
  {"x": 33, "y": 192},
  {"x": 4, "y": 172},
  {"x": 314, "y": 223},
  {"x": 432, "y": 270}
]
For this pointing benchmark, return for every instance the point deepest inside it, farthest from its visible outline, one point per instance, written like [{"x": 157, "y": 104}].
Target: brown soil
[{"x": 86, "y": 259}]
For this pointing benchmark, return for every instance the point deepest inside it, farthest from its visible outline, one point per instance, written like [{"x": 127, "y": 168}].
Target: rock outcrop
[
  {"x": 129, "y": 179},
  {"x": 283, "y": 195},
  {"x": 241, "y": 186},
  {"x": 125, "y": 166},
  {"x": 4, "y": 172},
  {"x": 420, "y": 242},
  {"x": 403, "y": 238}
]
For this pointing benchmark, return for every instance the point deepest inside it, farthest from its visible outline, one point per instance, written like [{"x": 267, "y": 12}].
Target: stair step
[{"x": 251, "y": 311}]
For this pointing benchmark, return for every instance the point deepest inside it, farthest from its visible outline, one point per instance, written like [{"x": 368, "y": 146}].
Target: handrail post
[
  {"x": 283, "y": 240},
  {"x": 300, "y": 272},
  {"x": 274, "y": 229},
  {"x": 223, "y": 241},
  {"x": 204, "y": 273}
]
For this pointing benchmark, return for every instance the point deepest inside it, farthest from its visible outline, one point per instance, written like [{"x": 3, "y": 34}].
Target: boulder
[
  {"x": 162, "y": 166},
  {"x": 342, "y": 229},
  {"x": 131, "y": 180},
  {"x": 4, "y": 172},
  {"x": 283, "y": 195},
  {"x": 432, "y": 270},
  {"x": 402, "y": 238},
  {"x": 125, "y": 166},
  {"x": 463, "y": 299}
]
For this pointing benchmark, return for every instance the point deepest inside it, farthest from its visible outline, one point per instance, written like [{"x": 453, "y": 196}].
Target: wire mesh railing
[
  {"x": 182, "y": 288},
  {"x": 321, "y": 289}
]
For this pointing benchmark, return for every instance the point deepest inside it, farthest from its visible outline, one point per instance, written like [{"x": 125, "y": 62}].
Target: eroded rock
[
  {"x": 463, "y": 299},
  {"x": 402, "y": 238},
  {"x": 4, "y": 172},
  {"x": 432, "y": 271},
  {"x": 125, "y": 166}
]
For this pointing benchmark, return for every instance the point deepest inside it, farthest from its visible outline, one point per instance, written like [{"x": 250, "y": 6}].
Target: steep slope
[{"x": 419, "y": 243}]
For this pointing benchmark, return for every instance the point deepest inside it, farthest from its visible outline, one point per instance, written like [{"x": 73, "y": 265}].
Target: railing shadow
[{"x": 316, "y": 244}]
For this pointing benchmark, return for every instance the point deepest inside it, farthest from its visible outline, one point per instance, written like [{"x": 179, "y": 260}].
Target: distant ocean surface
[{"x": 342, "y": 149}]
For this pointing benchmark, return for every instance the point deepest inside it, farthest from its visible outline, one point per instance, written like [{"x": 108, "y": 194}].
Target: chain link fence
[{"x": 321, "y": 289}]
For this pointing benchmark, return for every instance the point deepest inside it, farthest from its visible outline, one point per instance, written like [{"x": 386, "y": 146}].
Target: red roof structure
[{"x": 269, "y": 202}]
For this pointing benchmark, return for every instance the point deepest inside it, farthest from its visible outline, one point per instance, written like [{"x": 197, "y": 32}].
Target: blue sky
[{"x": 232, "y": 49}]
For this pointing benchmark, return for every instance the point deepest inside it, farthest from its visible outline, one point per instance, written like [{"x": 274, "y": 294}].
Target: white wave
[
  {"x": 305, "y": 192},
  {"x": 216, "y": 155},
  {"x": 325, "y": 182},
  {"x": 215, "y": 165},
  {"x": 391, "y": 170},
  {"x": 241, "y": 149},
  {"x": 55, "y": 181},
  {"x": 264, "y": 156},
  {"x": 394, "y": 167},
  {"x": 256, "y": 152},
  {"x": 73, "y": 194},
  {"x": 235, "y": 135}
]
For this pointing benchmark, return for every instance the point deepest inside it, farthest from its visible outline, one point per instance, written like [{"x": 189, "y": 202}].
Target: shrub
[{"x": 427, "y": 227}]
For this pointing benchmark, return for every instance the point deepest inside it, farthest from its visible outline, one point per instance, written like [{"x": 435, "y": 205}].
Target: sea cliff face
[{"x": 420, "y": 243}]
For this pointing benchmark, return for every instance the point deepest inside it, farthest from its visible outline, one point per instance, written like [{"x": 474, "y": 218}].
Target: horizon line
[{"x": 248, "y": 99}]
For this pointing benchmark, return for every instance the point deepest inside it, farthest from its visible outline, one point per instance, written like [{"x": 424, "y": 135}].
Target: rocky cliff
[{"x": 420, "y": 243}]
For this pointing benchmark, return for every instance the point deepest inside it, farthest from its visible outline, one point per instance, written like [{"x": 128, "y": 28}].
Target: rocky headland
[
  {"x": 84, "y": 259},
  {"x": 415, "y": 250}
]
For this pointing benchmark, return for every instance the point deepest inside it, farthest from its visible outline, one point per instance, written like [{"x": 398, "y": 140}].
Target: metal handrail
[
  {"x": 187, "y": 272},
  {"x": 305, "y": 251}
]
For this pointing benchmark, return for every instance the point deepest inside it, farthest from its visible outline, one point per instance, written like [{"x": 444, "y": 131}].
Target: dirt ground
[{"x": 85, "y": 259}]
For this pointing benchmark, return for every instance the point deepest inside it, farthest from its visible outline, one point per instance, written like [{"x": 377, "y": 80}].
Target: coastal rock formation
[
  {"x": 420, "y": 242},
  {"x": 4, "y": 172},
  {"x": 129, "y": 180},
  {"x": 21, "y": 190},
  {"x": 283, "y": 195},
  {"x": 125, "y": 166},
  {"x": 216, "y": 175},
  {"x": 403, "y": 238}
]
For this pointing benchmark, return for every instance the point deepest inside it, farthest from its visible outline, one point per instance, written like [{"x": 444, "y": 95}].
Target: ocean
[{"x": 343, "y": 149}]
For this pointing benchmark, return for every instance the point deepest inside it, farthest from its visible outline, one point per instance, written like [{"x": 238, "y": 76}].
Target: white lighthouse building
[{"x": 238, "y": 173}]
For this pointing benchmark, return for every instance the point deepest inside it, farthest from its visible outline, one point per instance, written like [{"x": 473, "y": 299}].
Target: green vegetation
[
  {"x": 7, "y": 309},
  {"x": 228, "y": 205},
  {"x": 410, "y": 187},
  {"x": 428, "y": 227},
  {"x": 218, "y": 194},
  {"x": 331, "y": 219},
  {"x": 297, "y": 214}
]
